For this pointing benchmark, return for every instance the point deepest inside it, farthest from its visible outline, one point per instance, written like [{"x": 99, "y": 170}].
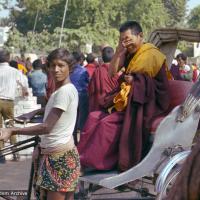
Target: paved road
[{"x": 15, "y": 176}]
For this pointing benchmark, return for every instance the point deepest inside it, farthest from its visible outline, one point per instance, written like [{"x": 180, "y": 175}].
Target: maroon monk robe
[
  {"x": 99, "y": 142},
  {"x": 148, "y": 98},
  {"x": 100, "y": 85},
  {"x": 121, "y": 137}
]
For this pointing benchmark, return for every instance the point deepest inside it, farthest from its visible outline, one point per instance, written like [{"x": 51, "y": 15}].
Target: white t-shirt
[
  {"x": 66, "y": 99},
  {"x": 9, "y": 77}
]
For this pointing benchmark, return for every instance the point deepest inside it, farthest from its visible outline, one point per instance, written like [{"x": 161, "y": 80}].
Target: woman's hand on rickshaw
[{"x": 5, "y": 134}]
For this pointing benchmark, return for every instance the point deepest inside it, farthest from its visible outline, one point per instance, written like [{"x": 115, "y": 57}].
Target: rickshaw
[{"x": 172, "y": 134}]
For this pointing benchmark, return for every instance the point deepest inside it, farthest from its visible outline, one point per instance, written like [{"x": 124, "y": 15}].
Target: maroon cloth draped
[
  {"x": 122, "y": 137},
  {"x": 91, "y": 67},
  {"x": 148, "y": 99},
  {"x": 100, "y": 85},
  {"x": 99, "y": 142}
]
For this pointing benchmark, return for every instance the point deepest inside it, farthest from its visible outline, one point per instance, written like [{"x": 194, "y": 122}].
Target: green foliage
[
  {"x": 5, "y": 21},
  {"x": 87, "y": 21},
  {"x": 186, "y": 48},
  {"x": 176, "y": 10},
  {"x": 147, "y": 12},
  {"x": 194, "y": 18}
]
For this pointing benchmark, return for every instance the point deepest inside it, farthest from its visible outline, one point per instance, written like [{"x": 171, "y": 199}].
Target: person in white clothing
[
  {"x": 58, "y": 160},
  {"x": 10, "y": 79}
]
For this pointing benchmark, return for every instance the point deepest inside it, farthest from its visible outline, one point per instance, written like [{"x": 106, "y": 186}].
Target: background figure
[
  {"x": 181, "y": 71},
  {"x": 9, "y": 80},
  {"x": 80, "y": 78},
  {"x": 101, "y": 83},
  {"x": 195, "y": 72},
  {"x": 28, "y": 65},
  {"x": 187, "y": 184},
  {"x": 22, "y": 83},
  {"x": 91, "y": 64},
  {"x": 38, "y": 81}
]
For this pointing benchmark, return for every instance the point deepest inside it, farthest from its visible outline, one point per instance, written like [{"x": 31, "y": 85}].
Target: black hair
[
  {"x": 90, "y": 58},
  {"x": 61, "y": 54},
  {"x": 37, "y": 64},
  {"x": 4, "y": 55},
  {"x": 107, "y": 54},
  {"x": 182, "y": 56},
  {"x": 134, "y": 26},
  {"x": 78, "y": 56},
  {"x": 13, "y": 64}
]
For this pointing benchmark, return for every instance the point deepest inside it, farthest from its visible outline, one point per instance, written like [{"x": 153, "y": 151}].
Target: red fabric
[
  {"x": 98, "y": 146},
  {"x": 100, "y": 85},
  {"x": 91, "y": 68},
  {"x": 195, "y": 75},
  {"x": 178, "y": 91},
  {"x": 156, "y": 123}
]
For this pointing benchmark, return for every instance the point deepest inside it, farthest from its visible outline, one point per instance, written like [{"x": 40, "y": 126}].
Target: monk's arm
[
  {"x": 116, "y": 63},
  {"x": 118, "y": 59}
]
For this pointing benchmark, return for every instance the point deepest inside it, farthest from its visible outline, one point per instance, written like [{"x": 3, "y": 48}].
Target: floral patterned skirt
[{"x": 58, "y": 172}]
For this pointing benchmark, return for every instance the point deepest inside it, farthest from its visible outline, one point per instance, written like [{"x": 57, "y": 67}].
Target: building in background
[
  {"x": 196, "y": 49},
  {"x": 3, "y": 35}
]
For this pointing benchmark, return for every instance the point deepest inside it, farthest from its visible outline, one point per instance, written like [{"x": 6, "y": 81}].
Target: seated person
[
  {"x": 181, "y": 71},
  {"x": 121, "y": 138},
  {"x": 101, "y": 83}
]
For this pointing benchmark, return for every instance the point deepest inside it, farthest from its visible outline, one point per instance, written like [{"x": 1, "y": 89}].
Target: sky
[{"x": 191, "y": 5}]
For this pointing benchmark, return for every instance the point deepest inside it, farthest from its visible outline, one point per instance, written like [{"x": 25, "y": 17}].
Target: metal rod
[
  {"x": 63, "y": 22},
  {"x": 36, "y": 19}
]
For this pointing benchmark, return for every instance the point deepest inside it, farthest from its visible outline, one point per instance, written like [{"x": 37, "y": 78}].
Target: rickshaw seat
[{"x": 178, "y": 92}]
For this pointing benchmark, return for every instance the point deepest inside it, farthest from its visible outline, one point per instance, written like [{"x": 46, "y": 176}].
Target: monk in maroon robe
[
  {"x": 91, "y": 64},
  {"x": 122, "y": 137},
  {"x": 101, "y": 83}
]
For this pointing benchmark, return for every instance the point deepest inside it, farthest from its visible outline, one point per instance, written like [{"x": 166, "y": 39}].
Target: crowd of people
[
  {"x": 182, "y": 71},
  {"x": 112, "y": 103}
]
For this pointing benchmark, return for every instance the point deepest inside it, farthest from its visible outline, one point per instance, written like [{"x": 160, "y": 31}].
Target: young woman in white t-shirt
[{"x": 57, "y": 166}]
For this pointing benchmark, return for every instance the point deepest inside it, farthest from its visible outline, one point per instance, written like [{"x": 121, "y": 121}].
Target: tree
[
  {"x": 28, "y": 14},
  {"x": 147, "y": 12},
  {"x": 176, "y": 10},
  {"x": 92, "y": 21},
  {"x": 5, "y": 21},
  {"x": 4, "y": 4},
  {"x": 194, "y": 18}
]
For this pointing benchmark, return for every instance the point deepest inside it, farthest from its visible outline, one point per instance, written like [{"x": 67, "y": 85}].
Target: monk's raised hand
[
  {"x": 120, "y": 48},
  {"x": 5, "y": 134}
]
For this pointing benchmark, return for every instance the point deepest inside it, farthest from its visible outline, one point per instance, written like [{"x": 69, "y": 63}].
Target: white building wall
[
  {"x": 4, "y": 34},
  {"x": 196, "y": 49}
]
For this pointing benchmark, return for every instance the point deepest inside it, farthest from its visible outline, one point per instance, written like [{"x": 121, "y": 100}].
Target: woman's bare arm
[{"x": 40, "y": 129}]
